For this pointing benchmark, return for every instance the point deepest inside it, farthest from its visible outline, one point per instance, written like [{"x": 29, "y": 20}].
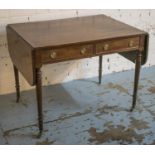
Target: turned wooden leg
[
  {"x": 39, "y": 99},
  {"x": 100, "y": 69},
  {"x": 136, "y": 80},
  {"x": 17, "y": 83}
]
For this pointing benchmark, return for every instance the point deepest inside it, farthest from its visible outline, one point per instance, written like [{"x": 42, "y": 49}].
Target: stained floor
[{"x": 84, "y": 112}]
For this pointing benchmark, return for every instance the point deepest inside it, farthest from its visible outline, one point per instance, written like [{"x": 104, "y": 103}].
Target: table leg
[
  {"x": 17, "y": 83},
  {"x": 39, "y": 99},
  {"x": 136, "y": 80},
  {"x": 100, "y": 69}
]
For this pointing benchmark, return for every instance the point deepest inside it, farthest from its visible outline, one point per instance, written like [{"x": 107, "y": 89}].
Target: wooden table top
[{"x": 61, "y": 32}]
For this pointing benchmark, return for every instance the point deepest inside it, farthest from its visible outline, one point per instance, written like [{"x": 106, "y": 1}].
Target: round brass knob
[
  {"x": 131, "y": 43},
  {"x": 53, "y": 55},
  {"x": 83, "y": 51},
  {"x": 106, "y": 47}
]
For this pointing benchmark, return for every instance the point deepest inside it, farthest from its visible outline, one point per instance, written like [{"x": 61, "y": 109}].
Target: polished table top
[{"x": 61, "y": 32}]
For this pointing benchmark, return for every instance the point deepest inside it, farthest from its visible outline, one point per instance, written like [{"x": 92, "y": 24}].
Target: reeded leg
[
  {"x": 39, "y": 99},
  {"x": 100, "y": 69},
  {"x": 136, "y": 80},
  {"x": 17, "y": 83}
]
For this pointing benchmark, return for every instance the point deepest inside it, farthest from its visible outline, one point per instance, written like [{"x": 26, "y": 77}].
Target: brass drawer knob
[
  {"x": 106, "y": 47},
  {"x": 53, "y": 55},
  {"x": 83, "y": 51},
  {"x": 131, "y": 43}
]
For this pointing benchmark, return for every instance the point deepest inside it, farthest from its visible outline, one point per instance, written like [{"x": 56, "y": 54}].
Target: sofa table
[{"x": 34, "y": 44}]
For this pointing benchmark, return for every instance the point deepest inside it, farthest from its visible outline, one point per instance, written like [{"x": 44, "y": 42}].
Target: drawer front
[
  {"x": 66, "y": 53},
  {"x": 118, "y": 45}
]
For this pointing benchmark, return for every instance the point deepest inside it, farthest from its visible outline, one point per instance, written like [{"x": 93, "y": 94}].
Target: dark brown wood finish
[
  {"x": 100, "y": 69},
  {"x": 67, "y": 53},
  {"x": 21, "y": 55},
  {"x": 34, "y": 44},
  {"x": 136, "y": 81},
  {"x": 62, "y": 32},
  {"x": 115, "y": 45},
  {"x": 39, "y": 98},
  {"x": 17, "y": 83}
]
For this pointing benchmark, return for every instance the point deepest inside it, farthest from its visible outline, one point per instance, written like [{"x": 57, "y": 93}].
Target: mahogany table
[{"x": 34, "y": 44}]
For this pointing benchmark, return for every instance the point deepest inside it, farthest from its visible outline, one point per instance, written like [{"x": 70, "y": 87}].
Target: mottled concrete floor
[{"x": 83, "y": 112}]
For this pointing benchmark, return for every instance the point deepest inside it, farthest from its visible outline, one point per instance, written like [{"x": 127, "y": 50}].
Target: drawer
[
  {"x": 119, "y": 45},
  {"x": 66, "y": 53}
]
